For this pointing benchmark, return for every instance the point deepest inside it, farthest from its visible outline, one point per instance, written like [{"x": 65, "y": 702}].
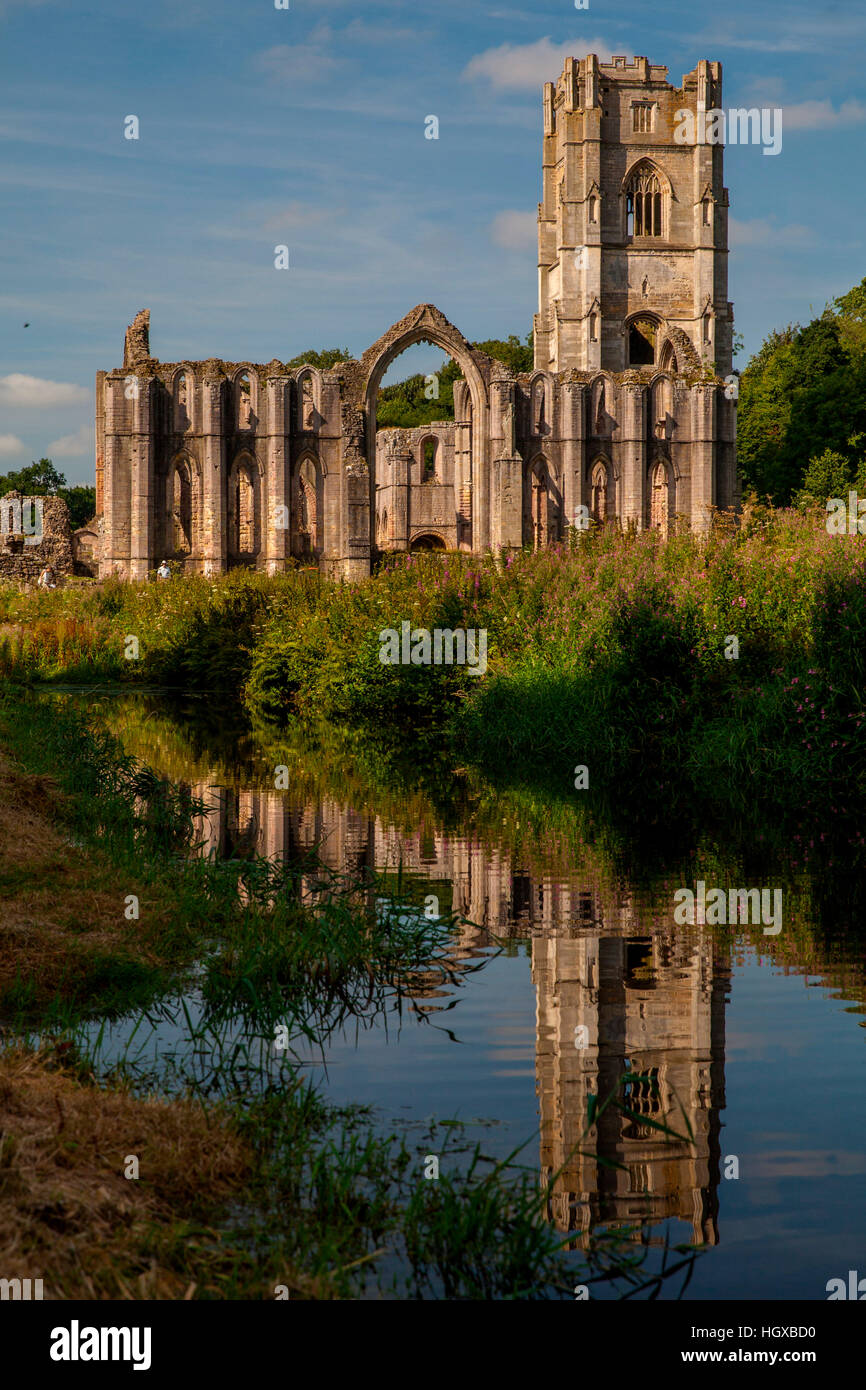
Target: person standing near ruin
[
  {"x": 163, "y": 572},
  {"x": 46, "y": 579}
]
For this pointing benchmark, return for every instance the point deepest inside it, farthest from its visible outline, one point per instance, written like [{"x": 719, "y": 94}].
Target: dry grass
[
  {"x": 60, "y": 907},
  {"x": 69, "y": 1216}
]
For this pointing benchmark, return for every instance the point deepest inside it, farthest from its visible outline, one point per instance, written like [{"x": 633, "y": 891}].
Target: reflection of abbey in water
[{"x": 650, "y": 1004}]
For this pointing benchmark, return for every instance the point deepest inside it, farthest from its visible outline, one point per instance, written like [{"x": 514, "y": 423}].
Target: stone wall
[{"x": 34, "y": 532}]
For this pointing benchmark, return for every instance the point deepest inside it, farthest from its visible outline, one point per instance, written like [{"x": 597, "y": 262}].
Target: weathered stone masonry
[
  {"x": 34, "y": 532},
  {"x": 626, "y": 416}
]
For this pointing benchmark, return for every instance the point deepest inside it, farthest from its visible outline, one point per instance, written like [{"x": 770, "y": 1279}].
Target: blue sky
[{"x": 305, "y": 127}]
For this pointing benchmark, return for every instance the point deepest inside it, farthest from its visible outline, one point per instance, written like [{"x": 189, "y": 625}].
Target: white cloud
[
  {"x": 820, "y": 115},
  {"x": 760, "y": 231},
  {"x": 516, "y": 231},
  {"x": 526, "y": 67},
  {"x": 10, "y": 446},
  {"x": 301, "y": 62},
  {"x": 803, "y": 34},
  {"x": 73, "y": 445},
  {"x": 18, "y": 389}
]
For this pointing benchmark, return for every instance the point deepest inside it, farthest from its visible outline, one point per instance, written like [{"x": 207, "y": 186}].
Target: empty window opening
[
  {"x": 181, "y": 510},
  {"x": 642, "y": 343},
  {"x": 428, "y": 461},
  {"x": 244, "y": 513},
  {"x": 308, "y": 404},
  {"x": 244, "y": 402}
]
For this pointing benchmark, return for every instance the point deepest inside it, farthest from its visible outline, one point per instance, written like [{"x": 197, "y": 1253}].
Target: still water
[{"x": 566, "y": 975}]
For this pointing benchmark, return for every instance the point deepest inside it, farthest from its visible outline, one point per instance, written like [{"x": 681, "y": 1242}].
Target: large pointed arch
[{"x": 427, "y": 324}]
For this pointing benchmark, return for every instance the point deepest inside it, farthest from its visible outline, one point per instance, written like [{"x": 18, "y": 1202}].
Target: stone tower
[{"x": 633, "y": 226}]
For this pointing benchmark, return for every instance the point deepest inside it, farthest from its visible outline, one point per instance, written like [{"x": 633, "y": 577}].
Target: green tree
[
  {"x": 803, "y": 393},
  {"x": 323, "y": 360},
  {"x": 517, "y": 355},
  {"x": 851, "y": 309},
  {"x": 36, "y": 480},
  {"x": 81, "y": 502},
  {"x": 828, "y": 475}
]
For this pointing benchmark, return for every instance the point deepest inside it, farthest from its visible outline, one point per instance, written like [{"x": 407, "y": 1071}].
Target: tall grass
[{"x": 617, "y": 653}]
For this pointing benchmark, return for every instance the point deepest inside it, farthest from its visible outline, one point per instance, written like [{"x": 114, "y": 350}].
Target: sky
[{"x": 305, "y": 127}]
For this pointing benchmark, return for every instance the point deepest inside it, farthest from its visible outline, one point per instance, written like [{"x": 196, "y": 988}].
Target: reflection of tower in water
[{"x": 652, "y": 1006}]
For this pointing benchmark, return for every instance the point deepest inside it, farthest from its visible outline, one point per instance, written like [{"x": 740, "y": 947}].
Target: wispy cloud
[
  {"x": 761, "y": 231},
  {"x": 20, "y": 390},
  {"x": 822, "y": 115},
  {"x": 11, "y": 446},
  {"x": 802, "y": 34},
  {"x": 516, "y": 231},
  {"x": 362, "y": 31},
  {"x": 74, "y": 445},
  {"x": 526, "y": 67},
  {"x": 301, "y": 62}
]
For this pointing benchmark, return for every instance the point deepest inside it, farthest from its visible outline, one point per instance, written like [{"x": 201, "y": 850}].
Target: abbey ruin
[{"x": 628, "y": 416}]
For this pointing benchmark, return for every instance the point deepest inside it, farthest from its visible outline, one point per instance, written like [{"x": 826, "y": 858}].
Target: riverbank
[{"x": 728, "y": 670}]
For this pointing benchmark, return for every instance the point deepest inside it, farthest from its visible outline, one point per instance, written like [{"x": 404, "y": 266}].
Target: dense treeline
[{"x": 801, "y": 426}]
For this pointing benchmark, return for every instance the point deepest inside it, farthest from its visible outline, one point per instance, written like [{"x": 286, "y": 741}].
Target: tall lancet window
[
  {"x": 644, "y": 204},
  {"x": 244, "y": 401}
]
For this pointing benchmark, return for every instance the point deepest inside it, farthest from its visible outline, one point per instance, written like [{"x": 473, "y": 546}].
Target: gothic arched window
[
  {"x": 540, "y": 505},
  {"x": 538, "y": 407},
  {"x": 244, "y": 509},
  {"x": 642, "y": 335},
  {"x": 181, "y": 402},
  {"x": 306, "y": 403},
  {"x": 428, "y": 460},
  {"x": 598, "y": 490},
  {"x": 598, "y": 408},
  {"x": 661, "y": 409},
  {"x": 179, "y": 537},
  {"x": 644, "y": 203},
  {"x": 659, "y": 498},
  {"x": 305, "y": 512},
  {"x": 244, "y": 401}
]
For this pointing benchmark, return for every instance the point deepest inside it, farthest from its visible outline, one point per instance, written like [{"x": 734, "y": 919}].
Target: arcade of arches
[{"x": 260, "y": 466}]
